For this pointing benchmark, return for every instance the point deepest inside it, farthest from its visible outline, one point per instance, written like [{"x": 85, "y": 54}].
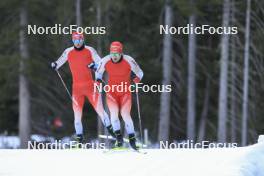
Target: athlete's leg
[
  {"x": 112, "y": 104},
  {"x": 77, "y": 105},
  {"x": 126, "y": 101},
  {"x": 125, "y": 104},
  {"x": 95, "y": 98}
]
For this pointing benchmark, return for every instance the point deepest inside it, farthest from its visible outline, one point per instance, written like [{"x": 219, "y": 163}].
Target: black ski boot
[
  {"x": 119, "y": 139},
  {"x": 111, "y": 131},
  {"x": 132, "y": 141},
  {"x": 79, "y": 140}
]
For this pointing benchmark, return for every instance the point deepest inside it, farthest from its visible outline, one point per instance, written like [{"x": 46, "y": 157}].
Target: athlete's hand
[
  {"x": 133, "y": 87},
  {"x": 136, "y": 80},
  {"x": 99, "y": 85},
  {"x": 92, "y": 66},
  {"x": 98, "y": 80},
  {"x": 54, "y": 65}
]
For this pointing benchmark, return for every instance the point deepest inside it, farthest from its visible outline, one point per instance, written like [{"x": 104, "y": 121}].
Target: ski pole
[
  {"x": 139, "y": 118},
  {"x": 67, "y": 90}
]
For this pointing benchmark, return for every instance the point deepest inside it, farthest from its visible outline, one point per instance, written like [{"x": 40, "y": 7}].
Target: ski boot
[
  {"x": 132, "y": 141},
  {"x": 119, "y": 139},
  {"x": 111, "y": 131},
  {"x": 78, "y": 138}
]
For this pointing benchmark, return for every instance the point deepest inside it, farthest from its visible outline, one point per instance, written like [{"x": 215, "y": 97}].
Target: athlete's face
[
  {"x": 115, "y": 56},
  {"x": 78, "y": 42}
]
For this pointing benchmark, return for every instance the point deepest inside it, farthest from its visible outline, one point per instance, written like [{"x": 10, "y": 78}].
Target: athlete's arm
[
  {"x": 63, "y": 58},
  {"x": 96, "y": 58},
  {"x": 101, "y": 68},
  {"x": 135, "y": 68}
]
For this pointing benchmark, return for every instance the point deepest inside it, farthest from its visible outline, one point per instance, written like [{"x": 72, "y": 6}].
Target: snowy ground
[{"x": 246, "y": 161}]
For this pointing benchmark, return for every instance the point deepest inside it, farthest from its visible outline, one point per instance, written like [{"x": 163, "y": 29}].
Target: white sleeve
[
  {"x": 63, "y": 58},
  {"x": 134, "y": 66},
  {"x": 96, "y": 58},
  {"x": 101, "y": 67}
]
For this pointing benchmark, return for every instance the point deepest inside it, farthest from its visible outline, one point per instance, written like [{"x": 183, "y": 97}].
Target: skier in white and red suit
[
  {"x": 80, "y": 57},
  {"x": 119, "y": 68}
]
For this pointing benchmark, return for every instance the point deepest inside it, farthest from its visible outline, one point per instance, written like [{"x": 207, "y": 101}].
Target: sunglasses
[
  {"x": 115, "y": 54},
  {"x": 78, "y": 41}
]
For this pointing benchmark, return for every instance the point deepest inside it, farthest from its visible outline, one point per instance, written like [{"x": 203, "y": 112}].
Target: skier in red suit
[
  {"x": 119, "y": 68},
  {"x": 79, "y": 57}
]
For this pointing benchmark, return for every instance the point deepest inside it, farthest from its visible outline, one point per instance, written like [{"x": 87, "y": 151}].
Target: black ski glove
[
  {"x": 99, "y": 80},
  {"x": 92, "y": 66}
]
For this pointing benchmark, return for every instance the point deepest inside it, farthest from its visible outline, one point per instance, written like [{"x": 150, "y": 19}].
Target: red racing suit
[
  {"x": 83, "y": 83},
  {"x": 119, "y": 73}
]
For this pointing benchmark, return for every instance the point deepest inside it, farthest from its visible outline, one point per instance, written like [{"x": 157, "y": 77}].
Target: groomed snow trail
[{"x": 244, "y": 161}]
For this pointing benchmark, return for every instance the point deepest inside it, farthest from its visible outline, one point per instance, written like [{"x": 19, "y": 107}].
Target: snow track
[{"x": 244, "y": 161}]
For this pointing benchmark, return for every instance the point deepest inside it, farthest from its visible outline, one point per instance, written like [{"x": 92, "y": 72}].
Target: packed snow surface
[{"x": 243, "y": 161}]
